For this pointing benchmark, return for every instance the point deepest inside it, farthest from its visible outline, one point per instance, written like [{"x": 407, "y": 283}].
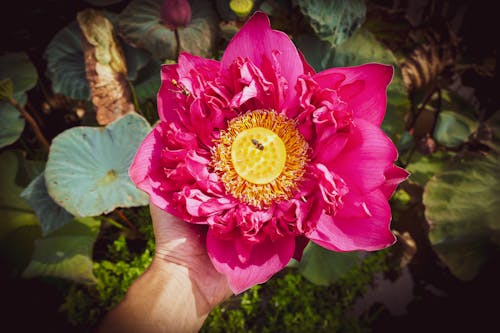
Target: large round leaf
[
  {"x": 423, "y": 167},
  {"x": 324, "y": 267},
  {"x": 66, "y": 64},
  {"x": 87, "y": 170},
  {"x": 20, "y": 70},
  {"x": 50, "y": 215},
  {"x": 462, "y": 207},
  {"x": 362, "y": 48},
  {"x": 11, "y": 121},
  {"x": 141, "y": 25},
  {"x": 334, "y": 20},
  {"x": 67, "y": 253},
  {"x": 18, "y": 224}
]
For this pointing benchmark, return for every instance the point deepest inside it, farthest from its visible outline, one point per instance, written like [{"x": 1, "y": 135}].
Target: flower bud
[{"x": 175, "y": 13}]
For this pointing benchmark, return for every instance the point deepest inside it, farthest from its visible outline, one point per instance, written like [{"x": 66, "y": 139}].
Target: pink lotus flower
[{"x": 269, "y": 154}]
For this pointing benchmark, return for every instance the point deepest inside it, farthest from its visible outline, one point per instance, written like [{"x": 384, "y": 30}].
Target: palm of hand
[{"x": 183, "y": 244}]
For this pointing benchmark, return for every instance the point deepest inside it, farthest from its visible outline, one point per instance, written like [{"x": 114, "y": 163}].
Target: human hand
[
  {"x": 178, "y": 290},
  {"x": 180, "y": 246}
]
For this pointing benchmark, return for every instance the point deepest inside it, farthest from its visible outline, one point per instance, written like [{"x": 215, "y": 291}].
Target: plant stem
[
  {"x": 127, "y": 221},
  {"x": 436, "y": 116},
  {"x": 134, "y": 98},
  {"x": 178, "y": 41},
  {"x": 33, "y": 124},
  {"x": 112, "y": 222}
]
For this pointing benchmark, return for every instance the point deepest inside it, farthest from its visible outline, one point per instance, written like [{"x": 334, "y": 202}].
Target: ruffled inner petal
[
  {"x": 259, "y": 43},
  {"x": 364, "y": 88}
]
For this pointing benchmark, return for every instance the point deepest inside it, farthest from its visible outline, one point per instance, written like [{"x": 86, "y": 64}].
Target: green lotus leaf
[
  {"x": 334, "y": 20},
  {"x": 423, "y": 167},
  {"x": 66, "y": 64},
  {"x": 318, "y": 53},
  {"x": 324, "y": 267},
  {"x": 362, "y": 47},
  {"x": 19, "y": 227},
  {"x": 11, "y": 121},
  {"x": 462, "y": 207},
  {"x": 50, "y": 215},
  {"x": 87, "y": 169},
  {"x": 6, "y": 89},
  {"x": 141, "y": 25},
  {"x": 66, "y": 253},
  {"x": 452, "y": 128},
  {"x": 20, "y": 70}
]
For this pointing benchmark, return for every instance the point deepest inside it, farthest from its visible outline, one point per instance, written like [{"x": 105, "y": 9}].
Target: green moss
[
  {"x": 289, "y": 303},
  {"x": 86, "y": 305}
]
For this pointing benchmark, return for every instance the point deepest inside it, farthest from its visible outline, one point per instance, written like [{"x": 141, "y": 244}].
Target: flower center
[{"x": 260, "y": 157}]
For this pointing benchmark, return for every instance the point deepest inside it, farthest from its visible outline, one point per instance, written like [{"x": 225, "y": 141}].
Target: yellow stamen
[{"x": 260, "y": 157}]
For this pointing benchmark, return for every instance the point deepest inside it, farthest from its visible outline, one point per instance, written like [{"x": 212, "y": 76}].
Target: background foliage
[{"x": 67, "y": 257}]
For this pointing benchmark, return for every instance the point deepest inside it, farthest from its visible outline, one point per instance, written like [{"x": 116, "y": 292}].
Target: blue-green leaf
[
  {"x": 20, "y": 70},
  {"x": 11, "y": 121},
  {"x": 452, "y": 128},
  {"x": 324, "y": 267},
  {"x": 141, "y": 25},
  {"x": 66, "y": 64},
  {"x": 334, "y": 20},
  {"x": 50, "y": 215},
  {"x": 66, "y": 253},
  {"x": 87, "y": 170}
]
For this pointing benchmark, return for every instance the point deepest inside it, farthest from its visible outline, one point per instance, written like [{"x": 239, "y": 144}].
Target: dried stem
[{"x": 38, "y": 133}]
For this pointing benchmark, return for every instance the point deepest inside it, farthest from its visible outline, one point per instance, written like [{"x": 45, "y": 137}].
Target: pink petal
[
  {"x": 194, "y": 72},
  {"x": 190, "y": 64},
  {"x": 364, "y": 88},
  {"x": 145, "y": 164},
  {"x": 264, "y": 260},
  {"x": 168, "y": 98},
  {"x": 369, "y": 233},
  {"x": 393, "y": 176},
  {"x": 256, "y": 41},
  {"x": 199, "y": 204},
  {"x": 330, "y": 147},
  {"x": 365, "y": 157}
]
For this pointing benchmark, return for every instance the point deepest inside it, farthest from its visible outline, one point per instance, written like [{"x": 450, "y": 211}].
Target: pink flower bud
[{"x": 175, "y": 13}]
